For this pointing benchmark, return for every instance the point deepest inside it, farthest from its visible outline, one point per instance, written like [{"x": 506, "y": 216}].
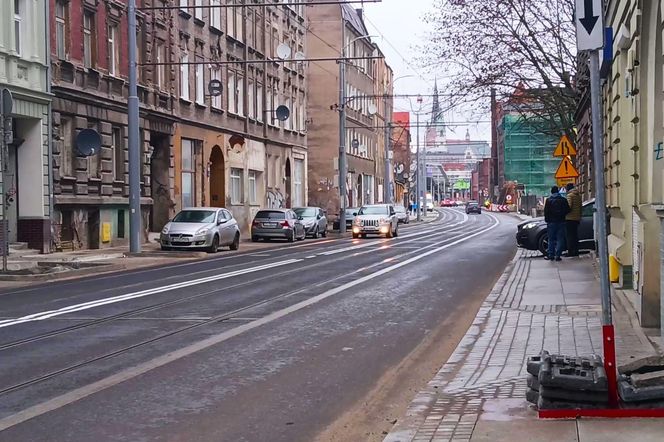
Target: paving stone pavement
[{"x": 536, "y": 304}]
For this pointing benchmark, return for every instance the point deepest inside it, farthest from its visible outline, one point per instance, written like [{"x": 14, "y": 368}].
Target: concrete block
[
  {"x": 548, "y": 404},
  {"x": 559, "y": 394},
  {"x": 532, "y": 396},
  {"x": 630, "y": 393},
  {"x": 533, "y": 382},
  {"x": 653, "y": 379},
  {"x": 573, "y": 377}
]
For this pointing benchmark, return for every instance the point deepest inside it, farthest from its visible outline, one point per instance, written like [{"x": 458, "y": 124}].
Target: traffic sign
[
  {"x": 589, "y": 24},
  {"x": 562, "y": 182},
  {"x": 564, "y": 148},
  {"x": 508, "y": 198},
  {"x": 566, "y": 169}
]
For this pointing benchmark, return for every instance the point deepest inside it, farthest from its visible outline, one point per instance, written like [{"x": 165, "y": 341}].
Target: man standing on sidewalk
[
  {"x": 556, "y": 209},
  {"x": 572, "y": 220}
]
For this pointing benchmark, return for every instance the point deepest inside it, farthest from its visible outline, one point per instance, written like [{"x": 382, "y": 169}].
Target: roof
[{"x": 354, "y": 18}]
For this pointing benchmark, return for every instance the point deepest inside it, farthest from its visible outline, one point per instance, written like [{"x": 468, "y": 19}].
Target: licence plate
[
  {"x": 180, "y": 243},
  {"x": 270, "y": 225}
]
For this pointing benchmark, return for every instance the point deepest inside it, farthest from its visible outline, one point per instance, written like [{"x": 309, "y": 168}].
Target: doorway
[
  {"x": 217, "y": 171},
  {"x": 11, "y": 193},
  {"x": 93, "y": 229},
  {"x": 360, "y": 191},
  {"x": 287, "y": 183},
  {"x": 159, "y": 181}
]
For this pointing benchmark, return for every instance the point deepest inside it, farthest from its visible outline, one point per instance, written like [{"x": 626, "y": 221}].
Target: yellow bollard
[{"x": 614, "y": 269}]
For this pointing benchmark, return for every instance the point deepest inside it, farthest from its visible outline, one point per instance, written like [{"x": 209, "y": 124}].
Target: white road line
[
  {"x": 115, "y": 299},
  {"x": 130, "y": 373}
]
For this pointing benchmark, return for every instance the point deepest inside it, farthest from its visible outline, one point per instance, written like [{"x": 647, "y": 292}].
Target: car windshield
[
  {"x": 373, "y": 210},
  {"x": 271, "y": 214},
  {"x": 195, "y": 216},
  {"x": 306, "y": 212},
  {"x": 400, "y": 209},
  {"x": 472, "y": 203}
]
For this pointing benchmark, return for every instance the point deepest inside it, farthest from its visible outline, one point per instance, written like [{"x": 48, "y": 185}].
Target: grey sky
[{"x": 401, "y": 25}]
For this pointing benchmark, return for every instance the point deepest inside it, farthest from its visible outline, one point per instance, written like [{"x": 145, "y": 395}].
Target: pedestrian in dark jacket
[
  {"x": 556, "y": 209},
  {"x": 573, "y": 219}
]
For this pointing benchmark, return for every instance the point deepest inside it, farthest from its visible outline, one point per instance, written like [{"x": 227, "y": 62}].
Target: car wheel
[
  {"x": 324, "y": 233},
  {"x": 315, "y": 236},
  {"x": 543, "y": 243},
  {"x": 235, "y": 245},
  {"x": 165, "y": 249},
  {"x": 389, "y": 233},
  {"x": 254, "y": 239},
  {"x": 215, "y": 244},
  {"x": 355, "y": 236},
  {"x": 291, "y": 237}
]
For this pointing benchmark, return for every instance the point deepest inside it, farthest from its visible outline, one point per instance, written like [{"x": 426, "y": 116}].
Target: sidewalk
[{"x": 479, "y": 394}]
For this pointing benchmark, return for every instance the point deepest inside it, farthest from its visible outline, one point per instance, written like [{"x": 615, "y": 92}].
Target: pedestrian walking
[
  {"x": 556, "y": 209},
  {"x": 573, "y": 219}
]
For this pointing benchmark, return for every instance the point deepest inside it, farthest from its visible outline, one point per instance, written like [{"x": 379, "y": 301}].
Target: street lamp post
[
  {"x": 418, "y": 181},
  {"x": 134, "y": 151}
]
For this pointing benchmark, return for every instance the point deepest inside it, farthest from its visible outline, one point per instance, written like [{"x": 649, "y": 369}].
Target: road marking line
[
  {"x": 112, "y": 300},
  {"x": 130, "y": 373}
]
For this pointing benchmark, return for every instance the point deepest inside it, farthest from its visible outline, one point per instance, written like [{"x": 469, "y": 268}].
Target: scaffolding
[{"x": 528, "y": 147}]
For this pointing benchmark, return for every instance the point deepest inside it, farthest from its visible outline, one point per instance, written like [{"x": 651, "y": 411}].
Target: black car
[
  {"x": 473, "y": 207},
  {"x": 532, "y": 234},
  {"x": 351, "y": 212}
]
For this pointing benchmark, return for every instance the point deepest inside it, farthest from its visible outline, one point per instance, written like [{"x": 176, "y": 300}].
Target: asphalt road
[{"x": 264, "y": 346}]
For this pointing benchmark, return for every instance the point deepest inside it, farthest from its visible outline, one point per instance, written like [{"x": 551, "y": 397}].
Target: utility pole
[
  {"x": 419, "y": 168},
  {"x": 342, "y": 141},
  {"x": 6, "y": 104},
  {"x": 135, "y": 217},
  {"x": 388, "y": 165}
]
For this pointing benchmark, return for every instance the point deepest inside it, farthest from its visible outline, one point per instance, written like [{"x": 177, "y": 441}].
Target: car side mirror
[
  {"x": 354, "y": 213},
  {"x": 221, "y": 221},
  {"x": 300, "y": 218}
]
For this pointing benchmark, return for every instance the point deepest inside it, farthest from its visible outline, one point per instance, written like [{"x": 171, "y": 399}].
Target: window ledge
[
  {"x": 200, "y": 105},
  {"x": 199, "y": 21},
  {"x": 183, "y": 13},
  {"x": 215, "y": 30},
  {"x": 217, "y": 110},
  {"x": 185, "y": 101}
]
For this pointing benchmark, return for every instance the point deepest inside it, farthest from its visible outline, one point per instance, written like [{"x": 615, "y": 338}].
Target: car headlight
[
  {"x": 530, "y": 225},
  {"x": 165, "y": 229},
  {"x": 384, "y": 221},
  {"x": 202, "y": 231}
]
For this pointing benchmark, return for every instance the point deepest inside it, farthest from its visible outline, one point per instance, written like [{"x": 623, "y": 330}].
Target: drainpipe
[{"x": 49, "y": 119}]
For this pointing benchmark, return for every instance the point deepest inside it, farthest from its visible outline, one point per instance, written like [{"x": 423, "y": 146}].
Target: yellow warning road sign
[
  {"x": 564, "y": 148},
  {"x": 566, "y": 169}
]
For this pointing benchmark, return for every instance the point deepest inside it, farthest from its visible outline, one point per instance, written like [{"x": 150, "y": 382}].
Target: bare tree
[{"x": 523, "y": 45}]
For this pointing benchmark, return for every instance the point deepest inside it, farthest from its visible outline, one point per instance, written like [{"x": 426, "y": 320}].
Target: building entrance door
[{"x": 217, "y": 178}]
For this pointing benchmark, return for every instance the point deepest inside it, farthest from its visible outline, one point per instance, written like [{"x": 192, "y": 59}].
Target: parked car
[
  {"x": 378, "y": 219},
  {"x": 403, "y": 216},
  {"x": 473, "y": 207},
  {"x": 532, "y": 235},
  {"x": 201, "y": 228},
  {"x": 314, "y": 220},
  {"x": 448, "y": 203},
  {"x": 277, "y": 224},
  {"x": 351, "y": 212}
]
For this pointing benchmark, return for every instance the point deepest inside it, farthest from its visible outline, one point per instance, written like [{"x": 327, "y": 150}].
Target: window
[
  {"x": 121, "y": 223},
  {"x": 253, "y": 186},
  {"x": 67, "y": 155},
  {"x": 113, "y": 50},
  {"x": 184, "y": 76},
  {"x": 215, "y": 74},
  {"x": 187, "y": 173},
  {"x": 240, "y": 95},
  {"x": 259, "y": 102},
  {"x": 118, "y": 153},
  {"x": 215, "y": 14},
  {"x": 252, "y": 99},
  {"x": 184, "y": 5},
  {"x": 239, "y": 19},
  {"x": 236, "y": 186},
  {"x": 231, "y": 92},
  {"x": 198, "y": 12},
  {"x": 61, "y": 25},
  {"x": 161, "y": 68},
  {"x": 200, "y": 83},
  {"x": 89, "y": 40},
  {"x": 94, "y": 160},
  {"x": 298, "y": 180}
]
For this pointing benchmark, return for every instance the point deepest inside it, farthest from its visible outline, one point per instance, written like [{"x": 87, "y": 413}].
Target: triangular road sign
[
  {"x": 566, "y": 169},
  {"x": 564, "y": 148}
]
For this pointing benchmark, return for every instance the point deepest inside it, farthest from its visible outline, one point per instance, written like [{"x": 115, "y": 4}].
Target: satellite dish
[
  {"x": 372, "y": 109},
  {"x": 88, "y": 142},
  {"x": 283, "y": 51},
  {"x": 355, "y": 143},
  {"x": 299, "y": 56},
  {"x": 282, "y": 112},
  {"x": 215, "y": 88}
]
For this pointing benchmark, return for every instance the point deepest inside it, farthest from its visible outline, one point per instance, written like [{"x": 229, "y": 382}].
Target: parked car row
[{"x": 209, "y": 228}]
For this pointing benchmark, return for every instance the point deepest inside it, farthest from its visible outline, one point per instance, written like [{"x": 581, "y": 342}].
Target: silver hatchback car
[
  {"x": 314, "y": 220},
  {"x": 201, "y": 228},
  {"x": 277, "y": 223}
]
